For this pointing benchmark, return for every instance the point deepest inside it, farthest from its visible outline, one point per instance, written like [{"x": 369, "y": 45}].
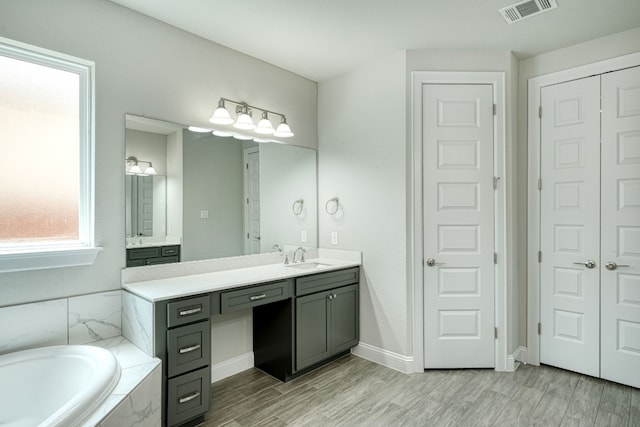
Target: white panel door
[
  {"x": 620, "y": 241},
  {"x": 458, "y": 225},
  {"x": 252, "y": 201},
  {"x": 570, "y": 223}
]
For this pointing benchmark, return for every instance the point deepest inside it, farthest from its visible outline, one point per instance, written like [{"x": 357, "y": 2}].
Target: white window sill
[{"x": 47, "y": 258}]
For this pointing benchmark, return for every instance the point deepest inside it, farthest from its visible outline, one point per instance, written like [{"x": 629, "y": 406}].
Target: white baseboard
[
  {"x": 514, "y": 358},
  {"x": 384, "y": 357},
  {"x": 231, "y": 367}
]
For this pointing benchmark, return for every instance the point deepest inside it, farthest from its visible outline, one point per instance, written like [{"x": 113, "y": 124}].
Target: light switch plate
[
  {"x": 303, "y": 236},
  {"x": 204, "y": 214}
]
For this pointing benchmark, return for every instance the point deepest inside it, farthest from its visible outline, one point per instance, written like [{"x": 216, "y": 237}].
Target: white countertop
[{"x": 159, "y": 289}]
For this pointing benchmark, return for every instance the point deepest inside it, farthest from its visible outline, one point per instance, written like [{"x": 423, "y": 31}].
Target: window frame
[{"x": 56, "y": 254}]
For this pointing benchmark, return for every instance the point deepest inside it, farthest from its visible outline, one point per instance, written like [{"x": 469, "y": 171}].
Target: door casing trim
[
  {"x": 416, "y": 294},
  {"x": 535, "y": 85}
]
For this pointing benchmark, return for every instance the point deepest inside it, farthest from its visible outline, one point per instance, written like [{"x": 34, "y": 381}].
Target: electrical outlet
[
  {"x": 334, "y": 237},
  {"x": 204, "y": 214},
  {"x": 303, "y": 236}
]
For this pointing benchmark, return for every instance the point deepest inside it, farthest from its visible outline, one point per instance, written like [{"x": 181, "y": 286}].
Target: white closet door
[
  {"x": 570, "y": 225},
  {"x": 458, "y": 226},
  {"x": 620, "y": 345}
]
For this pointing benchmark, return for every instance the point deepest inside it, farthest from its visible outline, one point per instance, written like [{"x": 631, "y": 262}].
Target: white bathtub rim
[{"x": 109, "y": 376}]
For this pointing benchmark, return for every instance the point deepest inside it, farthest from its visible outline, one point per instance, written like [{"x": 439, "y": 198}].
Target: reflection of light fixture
[
  {"x": 199, "y": 129},
  {"x": 133, "y": 168},
  {"x": 244, "y": 121},
  {"x": 222, "y": 133}
]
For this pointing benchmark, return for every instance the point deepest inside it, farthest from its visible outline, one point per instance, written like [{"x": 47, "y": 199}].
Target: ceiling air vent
[{"x": 525, "y": 9}]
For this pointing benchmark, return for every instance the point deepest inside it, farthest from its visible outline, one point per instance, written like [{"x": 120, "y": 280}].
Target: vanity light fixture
[
  {"x": 264, "y": 125},
  {"x": 221, "y": 116},
  {"x": 133, "y": 168}
]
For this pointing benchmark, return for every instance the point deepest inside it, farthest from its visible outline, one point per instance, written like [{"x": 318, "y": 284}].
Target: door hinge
[
  {"x": 247, "y": 165},
  {"x": 247, "y": 200},
  {"x": 539, "y": 183},
  {"x": 539, "y": 256},
  {"x": 495, "y": 257},
  {"x": 539, "y": 328},
  {"x": 495, "y": 332},
  {"x": 540, "y": 112},
  {"x": 494, "y": 109},
  {"x": 495, "y": 182}
]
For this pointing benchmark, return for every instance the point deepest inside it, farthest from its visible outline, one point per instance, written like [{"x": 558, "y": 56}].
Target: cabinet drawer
[
  {"x": 188, "y": 348},
  {"x": 170, "y": 251},
  {"x": 142, "y": 253},
  {"x": 255, "y": 296},
  {"x": 188, "y": 396},
  {"x": 324, "y": 281},
  {"x": 188, "y": 310}
]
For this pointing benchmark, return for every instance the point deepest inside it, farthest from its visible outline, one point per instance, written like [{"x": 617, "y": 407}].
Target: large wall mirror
[{"x": 216, "y": 196}]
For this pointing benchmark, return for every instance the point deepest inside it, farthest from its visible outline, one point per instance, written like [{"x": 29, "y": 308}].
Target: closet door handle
[
  {"x": 610, "y": 265},
  {"x": 589, "y": 263}
]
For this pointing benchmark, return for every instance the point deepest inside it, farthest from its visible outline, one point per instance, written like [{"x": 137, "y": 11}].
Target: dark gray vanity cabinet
[
  {"x": 326, "y": 324},
  {"x": 183, "y": 342},
  {"x": 153, "y": 255},
  {"x": 318, "y": 325}
]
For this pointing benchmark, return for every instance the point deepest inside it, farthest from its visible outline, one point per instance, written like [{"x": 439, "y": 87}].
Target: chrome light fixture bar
[
  {"x": 133, "y": 168},
  {"x": 221, "y": 116}
]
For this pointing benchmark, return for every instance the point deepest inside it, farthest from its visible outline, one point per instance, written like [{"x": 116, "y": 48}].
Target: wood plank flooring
[{"x": 355, "y": 392}]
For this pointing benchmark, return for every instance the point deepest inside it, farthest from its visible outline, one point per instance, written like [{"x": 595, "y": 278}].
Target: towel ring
[
  {"x": 297, "y": 206},
  {"x": 334, "y": 210}
]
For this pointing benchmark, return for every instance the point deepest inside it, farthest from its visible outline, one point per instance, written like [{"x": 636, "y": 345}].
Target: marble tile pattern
[
  {"x": 355, "y": 392},
  {"x": 136, "y": 399},
  {"x": 73, "y": 320},
  {"x": 95, "y": 317},
  {"x": 33, "y": 325},
  {"x": 141, "y": 408},
  {"x": 137, "y": 321}
]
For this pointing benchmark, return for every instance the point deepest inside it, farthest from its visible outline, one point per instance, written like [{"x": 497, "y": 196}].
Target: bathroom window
[{"x": 46, "y": 159}]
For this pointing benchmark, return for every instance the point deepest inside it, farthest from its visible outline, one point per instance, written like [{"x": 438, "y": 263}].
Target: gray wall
[{"x": 147, "y": 68}]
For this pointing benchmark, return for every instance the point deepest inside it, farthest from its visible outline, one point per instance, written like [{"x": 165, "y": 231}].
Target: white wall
[
  {"x": 147, "y": 68},
  {"x": 362, "y": 155},
  {"x": 364, "y": 122}
]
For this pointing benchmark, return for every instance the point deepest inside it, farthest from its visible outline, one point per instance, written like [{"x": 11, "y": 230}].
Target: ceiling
[{"x": 319, "y": 39}]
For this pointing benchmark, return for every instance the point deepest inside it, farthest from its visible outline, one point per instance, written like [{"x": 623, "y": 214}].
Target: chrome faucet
[{"x": 300, "y": 250}]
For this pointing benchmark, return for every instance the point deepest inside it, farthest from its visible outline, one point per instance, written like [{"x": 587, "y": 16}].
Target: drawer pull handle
[
  {"x": 257, "y": 297},
  {"x": 189, "y": 398},
  {"x": 189, "y": 349},
  {"x": 190, "y": 311}
]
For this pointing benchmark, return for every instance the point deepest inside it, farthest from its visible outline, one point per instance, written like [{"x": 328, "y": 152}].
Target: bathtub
[{"x": 55, "y": 386}]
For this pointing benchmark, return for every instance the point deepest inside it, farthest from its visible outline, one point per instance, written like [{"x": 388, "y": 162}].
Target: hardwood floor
[{"x": 355, "y": 392}]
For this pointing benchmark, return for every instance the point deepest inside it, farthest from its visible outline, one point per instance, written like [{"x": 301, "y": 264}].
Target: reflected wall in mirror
[
  {"x": 153, "y": 208},
  {"x": 231, "y": 197}
]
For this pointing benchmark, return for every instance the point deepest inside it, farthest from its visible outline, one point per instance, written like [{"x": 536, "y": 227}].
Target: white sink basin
[{"x": 307, "y": 265}]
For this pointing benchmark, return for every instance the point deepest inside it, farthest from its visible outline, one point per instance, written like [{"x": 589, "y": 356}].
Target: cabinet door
[
  {"x": 312, "y": 329},
  {"x": 344, "y": 318}
]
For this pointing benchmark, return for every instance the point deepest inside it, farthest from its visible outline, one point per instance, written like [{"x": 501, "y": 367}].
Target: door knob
[
  {"x": 431, "y": 262},
  {"x": 590, "y": 264},
  {"x": 610, "y": 265}
]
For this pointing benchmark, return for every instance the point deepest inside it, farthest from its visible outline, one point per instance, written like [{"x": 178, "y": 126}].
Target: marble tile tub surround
[
  {"x": 74, "y": 320},
  {"x": 163, "y": 282},
  {"x": 136, "y": 399}
]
